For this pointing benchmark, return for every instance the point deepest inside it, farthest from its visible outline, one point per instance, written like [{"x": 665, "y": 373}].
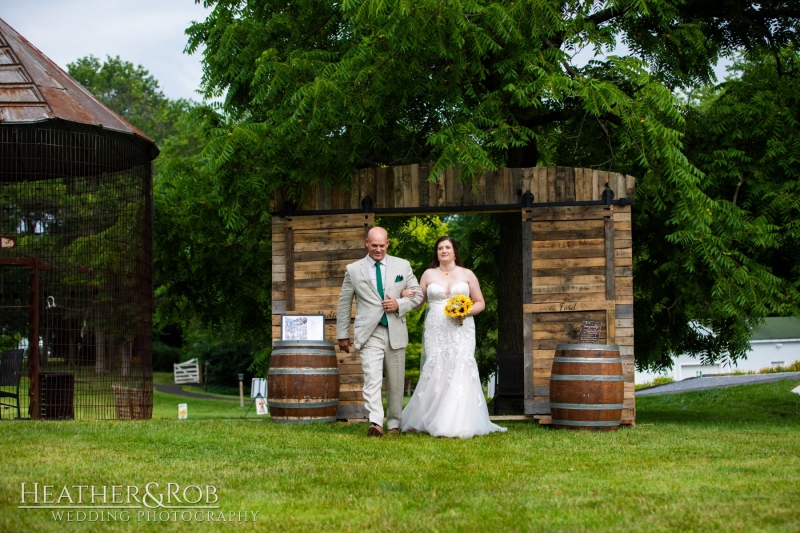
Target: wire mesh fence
[{"x": 76, "y": 271}]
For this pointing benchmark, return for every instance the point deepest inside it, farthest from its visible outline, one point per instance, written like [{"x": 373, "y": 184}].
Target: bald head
[{"x": 377, "y": 242}]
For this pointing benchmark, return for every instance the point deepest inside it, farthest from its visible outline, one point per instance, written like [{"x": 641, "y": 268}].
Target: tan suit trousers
[{"x": 377, "y": 355}]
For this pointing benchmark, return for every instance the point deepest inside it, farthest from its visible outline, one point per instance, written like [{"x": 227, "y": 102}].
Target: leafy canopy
[{"x": 315, "y": 89}]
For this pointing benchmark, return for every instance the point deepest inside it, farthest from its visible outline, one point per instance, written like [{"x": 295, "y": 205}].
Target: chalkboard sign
[{"x": 590, "y": 332}]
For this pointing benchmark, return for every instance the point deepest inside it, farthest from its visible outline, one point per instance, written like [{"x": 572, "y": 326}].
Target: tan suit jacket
[{"x": 369, "y": 309}]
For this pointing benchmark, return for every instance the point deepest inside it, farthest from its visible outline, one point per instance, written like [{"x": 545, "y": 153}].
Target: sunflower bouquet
[{"x": 458, "y": 306}]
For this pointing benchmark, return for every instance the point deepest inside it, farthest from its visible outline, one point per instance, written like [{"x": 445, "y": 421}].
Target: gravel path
[
  {"x": 177, "y": 390},
  {"x": 711, "y": 382}
]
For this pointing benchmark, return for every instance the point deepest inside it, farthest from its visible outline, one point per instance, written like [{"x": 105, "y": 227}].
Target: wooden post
[
  {"x": 527, "y": 318},
  {"x": 609, "y": 251},
  {"x": 290, "y": 265}
]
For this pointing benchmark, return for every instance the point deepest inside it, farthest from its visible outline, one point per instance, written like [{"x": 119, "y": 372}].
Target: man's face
[{"x": 377, "y": 244}]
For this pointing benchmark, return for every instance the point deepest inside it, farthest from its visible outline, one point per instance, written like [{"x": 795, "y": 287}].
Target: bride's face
[{"x": 445, "y": 252}]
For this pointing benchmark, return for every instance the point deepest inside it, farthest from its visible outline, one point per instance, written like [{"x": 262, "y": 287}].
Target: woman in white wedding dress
[{"x": 449, "y": 400}]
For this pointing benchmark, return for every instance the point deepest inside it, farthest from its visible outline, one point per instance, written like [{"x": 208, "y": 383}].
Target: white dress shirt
[{"x": 372, "y": 272}]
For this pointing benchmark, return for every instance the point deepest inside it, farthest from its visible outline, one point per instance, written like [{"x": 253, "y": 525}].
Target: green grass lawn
[{"x": 719, "y": 460}]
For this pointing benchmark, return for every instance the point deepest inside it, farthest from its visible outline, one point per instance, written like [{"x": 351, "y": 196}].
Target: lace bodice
[{"x": 437, "y": 292}]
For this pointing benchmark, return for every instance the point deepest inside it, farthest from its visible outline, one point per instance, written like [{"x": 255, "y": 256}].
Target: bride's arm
[
  {"x": 479, "y": 304},
  {"x": 423, "y": 285}
]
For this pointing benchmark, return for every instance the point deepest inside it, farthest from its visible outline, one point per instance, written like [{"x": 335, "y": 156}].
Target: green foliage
[
  {"x": 133, "y": 93},
  {"x": 226, "y": 360},
  {"x": 703, "y": 294},
  {"x": 413, "y": 239},
  {"x": 321, "y": 88}
]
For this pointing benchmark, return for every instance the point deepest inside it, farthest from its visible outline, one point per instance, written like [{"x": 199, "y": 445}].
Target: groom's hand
[
  {"x": 390, "y": 305},
  {"x": 344, "y": 344}
]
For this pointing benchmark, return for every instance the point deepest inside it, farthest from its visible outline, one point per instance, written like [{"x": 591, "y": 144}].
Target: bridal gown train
[{"x": 448, "y": 400}]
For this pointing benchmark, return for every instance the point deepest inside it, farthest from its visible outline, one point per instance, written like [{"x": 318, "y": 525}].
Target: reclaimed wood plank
[
  {"x": 630, "y": 187},
  {"x": 569, "y": 297},
  {"x": 611, "y": 330},
  {"x": 491, "y": 186},
  {"x": 551, "y": 185},
  {"x": 397, "y": 173},
  {"x": 598, "y": 305},
  {"x": 449, "y": 190},
  {"x": 422, "y": 185},
  {"x": 577, "y": 212},
  {"x": 610, "y": 277},
  {"x": 569, "y": 243},
  {"x": 329, "y": 222},
  {"x": 562, "y": 225},
  {"x": 527, "y": 180},
  {"x": 557, "y": 253},
  {"x": 561, "y": 235},
  {"x": 289, "y": 239},
  {"x": 624, "y": 311},
  {"x": 339, "y": 244},
  {"x": 408, "y": 196},
  {"x": 567, "y": 263}
]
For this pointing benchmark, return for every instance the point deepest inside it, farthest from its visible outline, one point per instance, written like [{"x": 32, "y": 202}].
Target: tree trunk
[{"x": 509, "y": 285}]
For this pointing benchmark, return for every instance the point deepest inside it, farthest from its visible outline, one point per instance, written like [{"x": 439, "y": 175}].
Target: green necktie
[{"x": 379, "y": 283}]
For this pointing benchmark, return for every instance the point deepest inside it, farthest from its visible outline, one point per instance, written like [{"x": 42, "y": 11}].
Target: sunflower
[{"x": 458, "y": 306}]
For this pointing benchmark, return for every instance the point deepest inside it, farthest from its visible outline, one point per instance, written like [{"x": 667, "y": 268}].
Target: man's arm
[
  {"x": 345, "y": 308},
  {"x": 404, "y": 305}
]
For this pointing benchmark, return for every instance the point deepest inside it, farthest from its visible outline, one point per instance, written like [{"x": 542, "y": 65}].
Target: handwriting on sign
[
  {"x": 7, "y": 242},
  {"x": 567, "y": 307},
  {"x": 329, "y": 315}
]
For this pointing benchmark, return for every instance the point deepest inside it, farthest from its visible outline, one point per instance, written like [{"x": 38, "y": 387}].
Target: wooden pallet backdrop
[
  {"x": 579, "y": 262},
  {"x": 407, "y": 187},
  {"x": 577, "y": 258},
  {"x": 309, "y": 256}
]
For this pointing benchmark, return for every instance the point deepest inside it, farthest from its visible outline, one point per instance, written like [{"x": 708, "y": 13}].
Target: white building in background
[{"x": 774, "y": 343}]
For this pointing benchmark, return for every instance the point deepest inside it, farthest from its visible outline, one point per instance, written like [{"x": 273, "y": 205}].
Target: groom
[{"x": 380, "y": 332}]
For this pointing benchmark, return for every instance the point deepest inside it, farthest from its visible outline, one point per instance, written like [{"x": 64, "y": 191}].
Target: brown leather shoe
[
  {"x": 394, "y": 431},
  {"x": 375, "y": 431}
]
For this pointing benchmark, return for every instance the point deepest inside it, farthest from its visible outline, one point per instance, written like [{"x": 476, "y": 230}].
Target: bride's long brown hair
[{"x": 435, "y": 262}]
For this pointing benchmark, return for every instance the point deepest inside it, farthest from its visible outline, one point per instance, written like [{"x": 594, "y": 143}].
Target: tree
[
  {"x": 131, "y": 92},
  {"x": 326, "y": 87}
]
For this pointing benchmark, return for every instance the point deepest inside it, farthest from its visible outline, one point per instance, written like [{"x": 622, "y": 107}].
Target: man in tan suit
[{"x": 380, "y": 333}]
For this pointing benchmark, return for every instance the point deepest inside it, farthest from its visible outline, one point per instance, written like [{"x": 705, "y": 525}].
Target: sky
[{"x": 145, "y": 32}]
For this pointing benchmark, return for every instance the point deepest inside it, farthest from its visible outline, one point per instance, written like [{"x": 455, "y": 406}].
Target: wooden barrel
[
  {"x": 303, "y": 384},
  {"x": 586, "y": 387}
]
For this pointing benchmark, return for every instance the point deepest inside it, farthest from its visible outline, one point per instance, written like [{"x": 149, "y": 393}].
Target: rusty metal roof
[{"x": 34, "y": 89}]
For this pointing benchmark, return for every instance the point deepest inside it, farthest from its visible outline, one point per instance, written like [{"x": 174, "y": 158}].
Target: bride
[{"x": 448, "y": 400}]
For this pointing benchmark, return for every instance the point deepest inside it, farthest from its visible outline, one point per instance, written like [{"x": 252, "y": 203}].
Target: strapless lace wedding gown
[{"x": 448, "y": 400}]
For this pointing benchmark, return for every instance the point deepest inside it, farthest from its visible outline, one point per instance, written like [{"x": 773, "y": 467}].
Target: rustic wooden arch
[{"x": 577, "y": 255}]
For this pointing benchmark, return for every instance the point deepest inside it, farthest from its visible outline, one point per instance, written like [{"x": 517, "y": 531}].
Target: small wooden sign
[
  {"x": 590, "y": 332},
  {"x": 303, "y": 327},
  {"x": 8, "y": 242}
]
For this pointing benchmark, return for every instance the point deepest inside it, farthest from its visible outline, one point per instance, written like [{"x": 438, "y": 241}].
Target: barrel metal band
[
  {"x": 585, "y": 360},
  {"x": 301, "y": 421},
  {"x": 310, "y": 405},
  {"x": 573, "y": 377},
  {"x": 300, "y": 344},
  {"x": 586, "y": 406},
  {"x": 593, "y": 347},
  {"x": 310, "y": 351},
  {"x": 580, "y": 423},
  {"x": 304, "y": 371}
]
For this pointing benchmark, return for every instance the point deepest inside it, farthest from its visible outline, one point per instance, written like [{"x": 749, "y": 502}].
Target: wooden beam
[
  {"x": 289, "y": 233},
  {"x": 610, "y": 274},
  {"x": 527, "y": 318}
]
